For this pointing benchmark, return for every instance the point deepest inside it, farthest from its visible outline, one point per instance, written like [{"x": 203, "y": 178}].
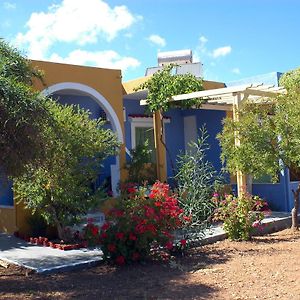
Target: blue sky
[{"x": 233, "y": 39}]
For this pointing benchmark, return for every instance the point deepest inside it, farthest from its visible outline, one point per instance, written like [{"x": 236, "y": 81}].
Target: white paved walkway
[{"x": 44, "y": 259}]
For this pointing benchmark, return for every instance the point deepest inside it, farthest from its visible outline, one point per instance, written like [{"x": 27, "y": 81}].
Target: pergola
[{"x": 227, "y": 99}]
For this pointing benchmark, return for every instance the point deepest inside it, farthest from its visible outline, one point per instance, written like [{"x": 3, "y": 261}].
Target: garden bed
[
  {"x": 43, "y": 241},
  {"x": 267, "y": 267}
]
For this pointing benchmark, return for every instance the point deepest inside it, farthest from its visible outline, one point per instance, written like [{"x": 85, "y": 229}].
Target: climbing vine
[{"x": 164, "y": 84}]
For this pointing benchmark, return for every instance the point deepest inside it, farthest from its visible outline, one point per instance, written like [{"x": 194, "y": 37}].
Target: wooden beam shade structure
[{"x": 227, "y": 99}]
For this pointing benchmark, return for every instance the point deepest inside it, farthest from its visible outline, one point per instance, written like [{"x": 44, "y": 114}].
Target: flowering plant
[
  {"x": 240, "y": 214},
  {"x": 141, "y": 224},
  {"x": 90, "y": 233}
]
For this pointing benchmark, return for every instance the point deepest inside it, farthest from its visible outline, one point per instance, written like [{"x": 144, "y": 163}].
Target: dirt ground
[{"x": 266, "y": 268}]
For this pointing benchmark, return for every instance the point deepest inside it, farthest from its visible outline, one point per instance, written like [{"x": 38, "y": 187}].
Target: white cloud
[
  {"x": 203, "y": 40},
  {"x": 104, "y": 59},
  {"x": 157, "y": 40},
  {"x": 208, "y": 56},
  {"x": 222, "y": 51},
  {"x": 9, "y": 5},
  {"x": 200, "y": 50},
  {"x": 74, "y": 21},
  {"x": 236, "y": 71}
]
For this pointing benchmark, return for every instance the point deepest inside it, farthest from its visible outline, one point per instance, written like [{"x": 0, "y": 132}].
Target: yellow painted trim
[
  {"x": 129, "y": 86},
  {"x": 210, "y": 85}
]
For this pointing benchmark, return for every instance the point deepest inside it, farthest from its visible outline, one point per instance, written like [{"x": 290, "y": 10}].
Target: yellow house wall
[
  {"x": 8, "y": 219},
  {"x": 22, "y": 215}
]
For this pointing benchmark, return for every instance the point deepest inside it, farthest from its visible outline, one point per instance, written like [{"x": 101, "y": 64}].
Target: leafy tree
[
  {"x": 61, "y": 189},
  {"x": 163, "y": 85},
  {"x": 269, "y": 135},
  {"x": 22, "y": 113}
]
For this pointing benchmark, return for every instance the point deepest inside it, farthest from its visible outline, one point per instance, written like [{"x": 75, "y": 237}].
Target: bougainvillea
[
  {"x": 141, "y": 223},
  {"x": 90, "y": 233}
]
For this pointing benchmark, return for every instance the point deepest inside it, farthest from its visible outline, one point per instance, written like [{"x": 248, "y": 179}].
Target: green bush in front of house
[
  {"x": 61, "y": 187},
  {"x": 196, "y": 181}
]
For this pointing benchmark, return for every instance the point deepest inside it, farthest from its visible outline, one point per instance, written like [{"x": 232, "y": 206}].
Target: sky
[{"x": 233, "y": 39}]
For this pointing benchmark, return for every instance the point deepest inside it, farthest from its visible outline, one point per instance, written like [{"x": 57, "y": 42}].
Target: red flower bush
[
  {"x": 141, "y": 223},
  {"x": 90, "y": 233}
]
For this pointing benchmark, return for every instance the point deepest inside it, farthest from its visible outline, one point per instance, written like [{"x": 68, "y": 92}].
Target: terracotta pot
[
  {"x": 68, "y": 247},
  {"x": 45, "y": 243}
]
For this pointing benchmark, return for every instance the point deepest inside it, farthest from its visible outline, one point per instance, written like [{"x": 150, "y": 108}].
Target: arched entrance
[{"x": 81, "y": 89}]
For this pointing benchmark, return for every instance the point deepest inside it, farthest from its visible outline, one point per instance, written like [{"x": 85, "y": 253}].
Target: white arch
[
  {"x": 105, "y": 105},
  {"x": 95, "y": 95}
]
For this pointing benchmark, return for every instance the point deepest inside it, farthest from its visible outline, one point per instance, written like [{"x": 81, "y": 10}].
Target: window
[
  {"x": 143, "y": 134},
  {"x": 142, "y": 130}
]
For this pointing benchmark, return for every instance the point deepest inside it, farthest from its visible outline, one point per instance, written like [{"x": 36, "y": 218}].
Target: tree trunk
[
  {"x": 60, "y": 231},
  {"x": 165, "y": 145},
  {"x": 59, "y": 226},
  {"x": 295, "y": 223}
]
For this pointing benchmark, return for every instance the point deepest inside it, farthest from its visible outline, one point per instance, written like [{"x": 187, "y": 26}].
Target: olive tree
[
  {"x": 22, "y": 113},
  {"x": 61, "y": 189},
  {"x": 269, "y": 135}
]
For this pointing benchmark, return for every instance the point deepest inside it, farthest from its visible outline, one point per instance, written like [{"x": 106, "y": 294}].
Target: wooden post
[
  {"x": 161, "y": 164},
  {"x": 242, "y": 180}
]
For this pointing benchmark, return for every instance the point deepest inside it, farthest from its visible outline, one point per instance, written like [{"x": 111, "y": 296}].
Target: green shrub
[
  {"x": 196, "y": 181},
  {"x": 141, "y": 167},
  {"x": 240, "y": 214}
]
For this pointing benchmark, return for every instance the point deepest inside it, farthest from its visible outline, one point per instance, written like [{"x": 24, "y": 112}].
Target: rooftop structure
[
  {"x": 177, "y": 57},
  {"x": 182, "y": 58}
]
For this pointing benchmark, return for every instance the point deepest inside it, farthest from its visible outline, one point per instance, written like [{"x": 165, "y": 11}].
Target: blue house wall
[
  {"x": 174, "y": 136},
  {"x": 211, "y": 120},
  {"x": 174, "y": 131},
  {"x": 6, "y": 193}
]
